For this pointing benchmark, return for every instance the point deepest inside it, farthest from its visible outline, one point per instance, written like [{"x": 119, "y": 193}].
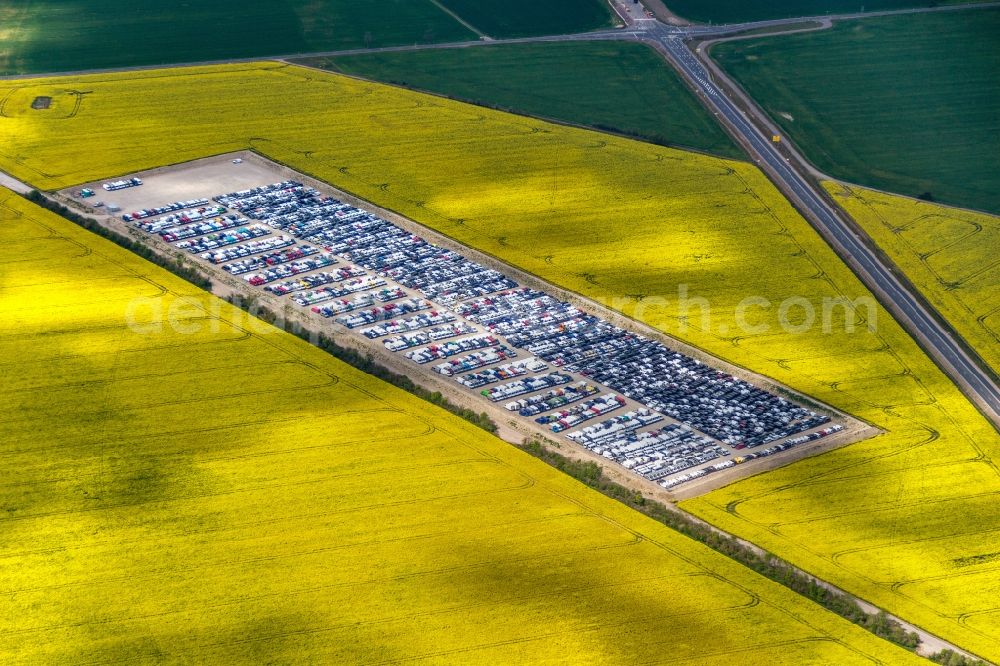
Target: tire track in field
[
  {"x": 111, "y": 411},
  {"x": 343, "y": 585},
  {"x": 86, "y": 440},
  {"x": 950, "y": 286},
  {"x": 598, "y": 627},
  {"x": 875, "y": 509},
  {"x": 237, "y": 527},
  {"x": 896, "y": 586},
  {"x": 906, "y": 542},
  {"x": 758, "y": 648},
  {"x": 153, "y": 574},
  {"x": 964, "y": 618},
  {"x": 199, "y": 459},
  {"x": 891, "y": 472},
  {"x": 160, "y": 375},
  {"x": 527, "y": 483}
]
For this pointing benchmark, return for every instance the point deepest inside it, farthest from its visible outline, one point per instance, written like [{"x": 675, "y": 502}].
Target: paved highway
[{"x": 913, "y": 315}]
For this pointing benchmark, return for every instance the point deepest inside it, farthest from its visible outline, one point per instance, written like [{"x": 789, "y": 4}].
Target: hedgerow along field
[
  {"x": 206, "y": 488},
  {"x": 951, "y": 254},
  {"x": 905, "y": 104},
  {"x": 523, "y": 18},
  {"x": 738, "y": 11},
  {"x": 70, "y": 35},
  {"x": 625, "y": 87},
  {"x": 629, "y": 224}
]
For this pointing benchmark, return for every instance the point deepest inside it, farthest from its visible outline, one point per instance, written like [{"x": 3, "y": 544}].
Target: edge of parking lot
[{"x": 511, "y": 429}]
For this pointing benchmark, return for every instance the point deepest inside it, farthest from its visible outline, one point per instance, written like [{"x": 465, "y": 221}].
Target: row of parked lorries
[
  {"x": 553, "y": 399},
  {"x": 276, "y": 257},
  {"x": 526, "y": 385},
  {"x": 616, "y": 426},
  {"x": 434, "y": 334},
  {"x": 218, "y": 222},
  {"x": 314, "y": 280},
  {"x": 383, "y": 312},
  {"x": 584, "y": 411},
  {"x": 221, "y": 248},
  {"x": 474, "y": 380},
  {"x": 675, "y": 481},
  {"x": 287, "y": 270},
  {"x": 417, "y": 321},
  {"x": 475, "y": 360},
  {"x": 191, "y": 214},
  {"x": 352, "y": 286},
  {"x": 436, "y": 352},
  {"x": 122, "y": 184},
  {"x": 204, "y": 245}
]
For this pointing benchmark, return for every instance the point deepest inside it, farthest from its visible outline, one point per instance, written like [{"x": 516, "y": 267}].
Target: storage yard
[{"x": 654, "y": 411}]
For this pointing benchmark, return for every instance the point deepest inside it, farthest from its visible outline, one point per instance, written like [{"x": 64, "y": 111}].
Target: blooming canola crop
[
  {"x": 676, "y": 239},
  {"x": 218, "y": 491}
]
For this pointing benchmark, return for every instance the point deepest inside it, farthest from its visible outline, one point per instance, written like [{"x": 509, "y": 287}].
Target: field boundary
[{"x": 599, "y": 127}]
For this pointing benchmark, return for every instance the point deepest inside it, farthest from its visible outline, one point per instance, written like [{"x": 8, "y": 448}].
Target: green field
[
  {"x": 906, "y": 520},
  {"x": 521, "y": 18},
  {"x": 737, "y": 11},
  {"x": 906, "y": 104},
  {"x": 204, "y": 488},
  {"x": 69, "y": 35},
  {"x": 624, "y": 86}
]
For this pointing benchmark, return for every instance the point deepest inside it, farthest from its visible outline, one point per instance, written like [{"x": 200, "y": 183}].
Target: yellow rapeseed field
[
  {"x": 951, "y": 254},
  {"x": 216, "y": 491},
  {"x": 907, "y": 519}
]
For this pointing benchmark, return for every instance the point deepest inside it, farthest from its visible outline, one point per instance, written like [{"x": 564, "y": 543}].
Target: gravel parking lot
[
  {"x": 537, "y": 364},
  {"x": 203, "y": 178}
]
